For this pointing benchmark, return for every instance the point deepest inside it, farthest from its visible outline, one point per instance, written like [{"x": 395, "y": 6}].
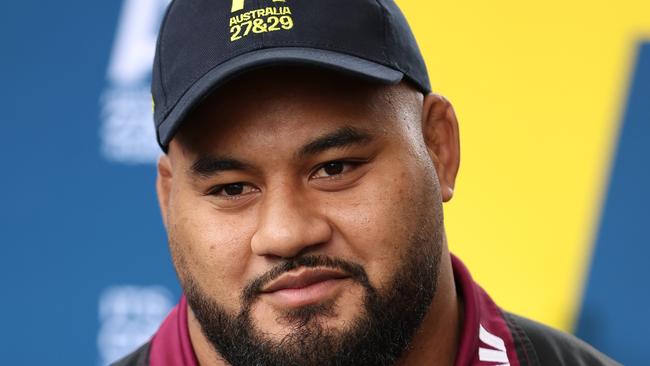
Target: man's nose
[{"x": 289, "y": 224}]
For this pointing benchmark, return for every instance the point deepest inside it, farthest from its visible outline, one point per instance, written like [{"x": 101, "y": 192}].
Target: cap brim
[{"x": 269, "y": 57}]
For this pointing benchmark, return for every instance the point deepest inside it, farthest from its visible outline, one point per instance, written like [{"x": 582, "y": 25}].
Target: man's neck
[
  {"x": 436, "y": 342},
  {"x": 205, "y": 353}
]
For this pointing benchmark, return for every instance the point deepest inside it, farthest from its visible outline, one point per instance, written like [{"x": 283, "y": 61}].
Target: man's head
[
  {"x": 305, "y": 217},
  {"x": 303, "y": 183}
]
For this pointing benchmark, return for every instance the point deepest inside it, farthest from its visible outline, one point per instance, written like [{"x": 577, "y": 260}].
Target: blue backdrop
[{"x": 79, "y": 228}]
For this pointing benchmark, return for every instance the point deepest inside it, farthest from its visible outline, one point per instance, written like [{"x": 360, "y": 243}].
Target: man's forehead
[
  {"x": 293, "y": 142},
  {"x": 313, "y": 101}
]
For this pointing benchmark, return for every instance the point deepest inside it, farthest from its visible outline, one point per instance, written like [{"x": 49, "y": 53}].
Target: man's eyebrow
[
  {"x": 210, "y": 165},
  {"x": 343, "y": 137}
]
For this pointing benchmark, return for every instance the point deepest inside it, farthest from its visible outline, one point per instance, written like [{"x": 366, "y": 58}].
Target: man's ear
[
  {"x": 440, "y": 131},
  {"x": 164, "y": 185}
]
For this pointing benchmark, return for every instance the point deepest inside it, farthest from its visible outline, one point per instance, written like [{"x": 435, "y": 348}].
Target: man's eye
[
  {"x": 232, "y": 190},
  {"x": 334, "y": 168}
]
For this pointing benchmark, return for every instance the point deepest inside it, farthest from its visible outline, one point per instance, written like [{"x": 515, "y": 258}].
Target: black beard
[{"x": 379, "y": 336}]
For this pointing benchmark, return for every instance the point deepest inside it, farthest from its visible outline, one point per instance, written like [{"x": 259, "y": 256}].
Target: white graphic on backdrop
[
  {"x": 127, "y": 132},
  {"x": 129, "y": 316}
]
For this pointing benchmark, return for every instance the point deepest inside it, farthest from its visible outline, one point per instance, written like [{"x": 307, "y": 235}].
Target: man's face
[{"x": 304, "y": 216}]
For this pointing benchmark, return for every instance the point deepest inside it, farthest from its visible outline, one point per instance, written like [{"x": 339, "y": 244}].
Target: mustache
[{"x": 354, "y": 270}]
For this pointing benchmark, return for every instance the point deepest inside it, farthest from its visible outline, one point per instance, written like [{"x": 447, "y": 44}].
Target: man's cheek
[{"x": 386, "y": 223}]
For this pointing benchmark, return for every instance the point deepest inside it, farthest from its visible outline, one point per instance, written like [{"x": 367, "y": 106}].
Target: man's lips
[
  {"x": 302, "y": 278},
  {"x": 303, "y": 287}
]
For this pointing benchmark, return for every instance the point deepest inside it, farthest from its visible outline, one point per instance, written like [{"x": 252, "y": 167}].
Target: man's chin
[{"x": 331, "y": 316}]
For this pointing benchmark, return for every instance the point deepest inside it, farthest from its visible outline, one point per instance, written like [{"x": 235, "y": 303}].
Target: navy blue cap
[{"x": 204, "y": 43}]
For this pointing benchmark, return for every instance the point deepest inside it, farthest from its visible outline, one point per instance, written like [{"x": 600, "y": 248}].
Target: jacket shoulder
[
  {"x": 139, "y": 357},
  {"x": 553, "y": 347}
]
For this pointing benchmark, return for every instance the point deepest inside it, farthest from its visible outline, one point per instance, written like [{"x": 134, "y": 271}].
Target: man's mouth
[{"x": 304, "y": 286}]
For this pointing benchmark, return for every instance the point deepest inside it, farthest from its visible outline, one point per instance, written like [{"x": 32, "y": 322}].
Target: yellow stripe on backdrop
[{"x": 539, "y": 90}]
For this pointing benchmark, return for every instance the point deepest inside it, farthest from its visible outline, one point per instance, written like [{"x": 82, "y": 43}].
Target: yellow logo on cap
[
  {"x": 256, "y": 21},
  {"x": 238, "y": 5}
]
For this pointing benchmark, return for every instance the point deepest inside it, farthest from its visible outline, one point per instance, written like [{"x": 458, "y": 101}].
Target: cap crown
[{"x": 199, "y": 35}]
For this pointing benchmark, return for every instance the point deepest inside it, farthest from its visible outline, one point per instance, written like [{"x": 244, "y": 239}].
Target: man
[{"x": 306, "y": 166}]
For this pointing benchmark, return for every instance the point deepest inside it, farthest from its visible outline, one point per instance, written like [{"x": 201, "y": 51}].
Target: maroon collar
[
  {"x": 171, "y": 344},
  {"x": 485, "y": 337}
]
